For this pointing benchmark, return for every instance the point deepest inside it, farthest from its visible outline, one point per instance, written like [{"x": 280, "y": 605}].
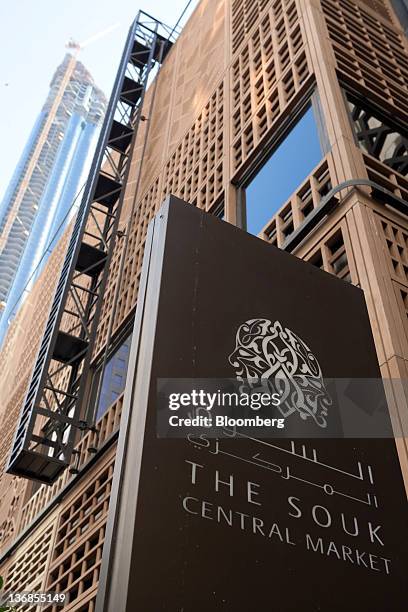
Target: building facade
[
  {"x": 46, "y": 180},
  {"x": 285, "y": 117}
]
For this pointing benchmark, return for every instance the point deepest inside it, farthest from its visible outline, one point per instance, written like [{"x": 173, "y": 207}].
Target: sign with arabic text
[{"x": 236, "y": 522}]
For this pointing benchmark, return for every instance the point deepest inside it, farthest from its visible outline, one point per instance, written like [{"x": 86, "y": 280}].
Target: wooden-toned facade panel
[
  {"x": 77, "y": 551},
  {"x": 384, "y": 247},
  {"x": 64, "y": 552},
  {"x": 268, "y": 75},
  {"x": 13, "y": 491},
  {"x": 276, "y": 51},
  {"x": 27, "y": 568},
  {"x": 195, "y": 172},
  {"x": 182, "y": 104},
  {"x": 383, "y": 175},
  {"x": 334, "y": 254},
  {"x": 395, "y": 375},
  {"x": 201, "y": 64},
  {"x": 188, "y": 78},
  {"x": 370, "y": 53},
  {"x": 380, "y": 8},
  {"x": 244, "y": 13}
]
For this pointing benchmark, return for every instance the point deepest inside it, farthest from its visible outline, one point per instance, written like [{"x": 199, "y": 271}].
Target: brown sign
[{"x": 240, "y": 523}]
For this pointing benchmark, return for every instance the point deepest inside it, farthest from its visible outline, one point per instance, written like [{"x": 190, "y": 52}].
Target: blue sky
[
  {"x": 33, "y": 35},
  {"x": 285, "y": 170}
]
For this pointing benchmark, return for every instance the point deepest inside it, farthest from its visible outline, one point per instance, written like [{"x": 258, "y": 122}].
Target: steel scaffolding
[{"x": 53, "y": 410}]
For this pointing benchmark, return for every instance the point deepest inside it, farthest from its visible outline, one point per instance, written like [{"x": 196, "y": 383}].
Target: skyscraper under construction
[
  {"x": 286, "y": 118},
  {"x": 46, "y": 180}
]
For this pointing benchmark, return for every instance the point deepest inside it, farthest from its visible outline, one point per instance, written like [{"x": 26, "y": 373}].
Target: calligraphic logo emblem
[{"x": 272, "y": 358}]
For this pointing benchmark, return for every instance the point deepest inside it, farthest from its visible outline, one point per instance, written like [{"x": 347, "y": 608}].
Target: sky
[
  {"x": 285, "y": 170},
  {"x": 33, "y": 37}
]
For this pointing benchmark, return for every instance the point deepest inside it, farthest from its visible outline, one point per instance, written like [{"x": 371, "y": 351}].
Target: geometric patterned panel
[
  {"x": 396, "y": 241},
  {"x": 368, "y": 52},
  {"x": 195, "y": 171},
  {"x": 77, "y": 552},
  {"x": 244, "y": 13},
  {"x": 332, "y": 256},
  {"x": 395, "y": 249},
  {"x": 137, "y": 230},
  {"x": 13, "y": 491},
  {"x": 269, "y": 70},
  {"x": 337, "y": 260},
  {"x": 27, "y": 570},
  {"x": 65, "y": 554},
  {"x": 383, "y": 175}
]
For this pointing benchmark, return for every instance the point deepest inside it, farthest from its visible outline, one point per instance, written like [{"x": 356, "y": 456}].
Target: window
[
  {"x": 290, "y": 163},
  {"x": 113, "y": 379}
]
